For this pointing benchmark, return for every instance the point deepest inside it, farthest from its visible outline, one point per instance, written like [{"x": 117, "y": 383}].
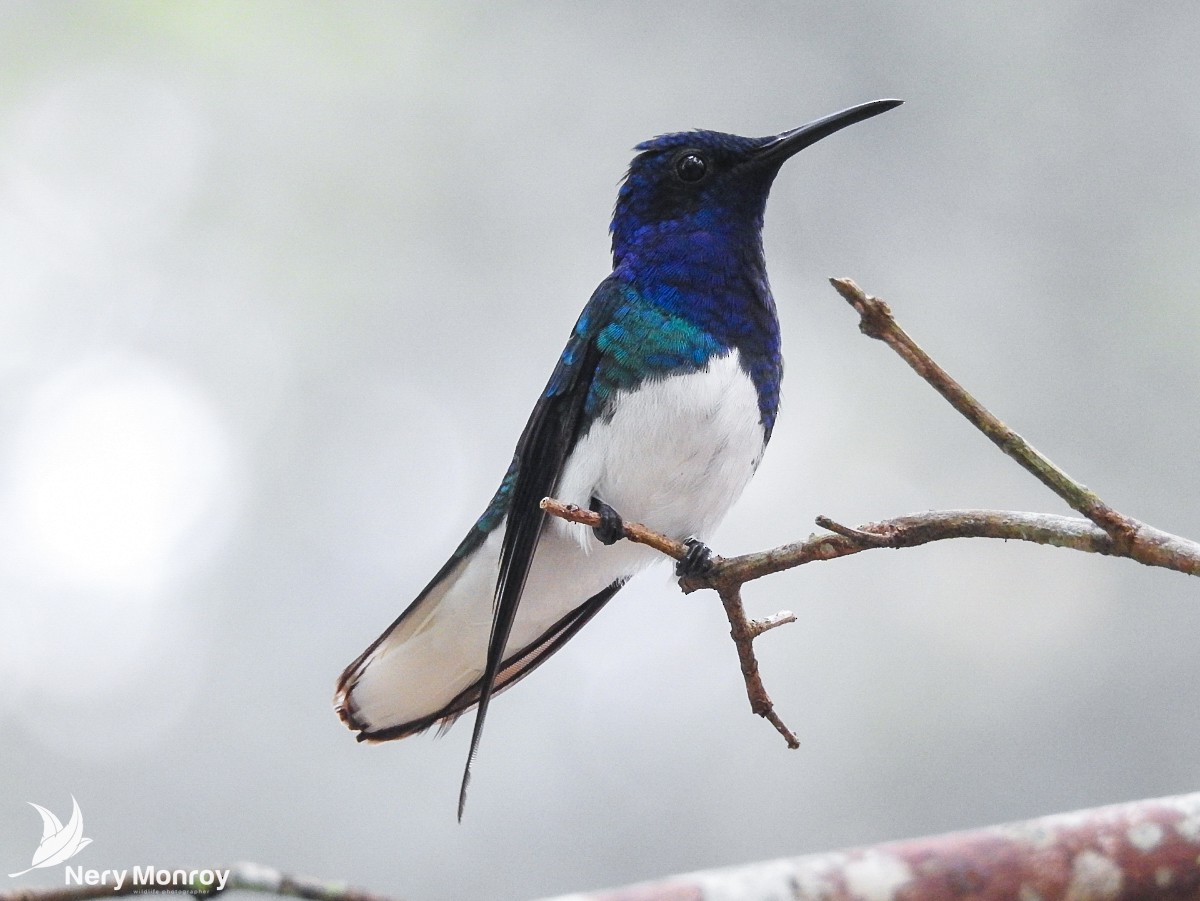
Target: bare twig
[
  {"x": 866, "y": 539},
  {"x": 743, "y": 632},
  {"x": 635, "y": 532},
  {"x": 1150, "y": 546},
  {"x": 782, "y": 618},
  {"x": 877, "y": 321},
  {"x": 1153, "y": 547}
]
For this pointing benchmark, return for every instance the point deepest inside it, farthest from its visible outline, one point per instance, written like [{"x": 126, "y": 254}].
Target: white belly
[{"x": 676, "y": 453}]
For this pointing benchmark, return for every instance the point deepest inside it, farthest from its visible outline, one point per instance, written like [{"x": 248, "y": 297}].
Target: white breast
[{"x": 675, "y": 454}]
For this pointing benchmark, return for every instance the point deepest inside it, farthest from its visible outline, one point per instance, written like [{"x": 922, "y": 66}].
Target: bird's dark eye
[{"x": 691, "y": 167}]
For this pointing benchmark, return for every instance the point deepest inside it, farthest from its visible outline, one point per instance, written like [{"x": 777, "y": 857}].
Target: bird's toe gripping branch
[
  {"x": 611, "y": 527},
  {"x": 698, "y": 562}
]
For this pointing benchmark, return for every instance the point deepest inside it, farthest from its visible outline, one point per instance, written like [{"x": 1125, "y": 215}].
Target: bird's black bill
[{"x": 784, "y": 145}]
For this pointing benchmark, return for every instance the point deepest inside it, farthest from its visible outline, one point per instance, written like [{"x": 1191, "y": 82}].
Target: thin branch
[
  {"x": 878, "y": 322},
  {"x": 634, "y": 532},
  {"x": 1151, "y": 546},
  {"x": 743, "y": 632}
]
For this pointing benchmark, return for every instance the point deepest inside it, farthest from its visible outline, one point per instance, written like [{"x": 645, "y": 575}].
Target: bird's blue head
[{"x": 689, "y": 193}]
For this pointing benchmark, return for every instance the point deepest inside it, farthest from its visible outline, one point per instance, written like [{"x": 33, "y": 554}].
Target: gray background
[{"x": 280, "y": 282}]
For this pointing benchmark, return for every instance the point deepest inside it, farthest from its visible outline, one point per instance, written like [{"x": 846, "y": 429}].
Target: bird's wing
[
  {"x": 542, "y": 450},
  {"x": 364, "y": 694}
]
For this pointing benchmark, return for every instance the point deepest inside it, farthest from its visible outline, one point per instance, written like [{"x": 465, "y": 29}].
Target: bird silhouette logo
[{"x": 59, "y": 843}]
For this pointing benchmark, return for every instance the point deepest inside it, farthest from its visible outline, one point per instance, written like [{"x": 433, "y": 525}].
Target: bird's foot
[
  {"x": 611, "y": 527},
  {"x": 698, "y": 560}
]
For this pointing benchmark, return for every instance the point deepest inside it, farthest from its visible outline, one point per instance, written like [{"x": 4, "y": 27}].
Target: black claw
[
  {"x": 611, "y": 527},
  {"x": 698, "y": 560}
]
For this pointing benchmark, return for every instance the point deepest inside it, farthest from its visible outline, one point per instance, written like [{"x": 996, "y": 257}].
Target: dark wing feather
[
  {"x": 541, "y": 453},
  {"x": 528, "y": 658}
]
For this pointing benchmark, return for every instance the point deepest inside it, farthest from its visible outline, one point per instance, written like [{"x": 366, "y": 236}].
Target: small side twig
[
  {"x": 866, "y": 539},
  {"x": 743, "y": 632},
  {"x": 782, "y": 618}
]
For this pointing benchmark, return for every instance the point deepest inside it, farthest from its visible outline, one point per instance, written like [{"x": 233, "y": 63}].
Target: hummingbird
[{"x": 658, "y": 411}]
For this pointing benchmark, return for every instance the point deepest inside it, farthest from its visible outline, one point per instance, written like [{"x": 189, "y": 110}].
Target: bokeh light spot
[{"x": 115, "y": 464}]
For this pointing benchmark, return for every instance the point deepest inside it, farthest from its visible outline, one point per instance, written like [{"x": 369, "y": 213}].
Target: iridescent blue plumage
[{"x": 658, "y": 410}]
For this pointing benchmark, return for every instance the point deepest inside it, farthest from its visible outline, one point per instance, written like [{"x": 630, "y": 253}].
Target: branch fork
[{"x": 742, "y": 629}]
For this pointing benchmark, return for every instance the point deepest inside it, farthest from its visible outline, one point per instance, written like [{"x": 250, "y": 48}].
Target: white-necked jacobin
[{"x": 658, "y": 411}]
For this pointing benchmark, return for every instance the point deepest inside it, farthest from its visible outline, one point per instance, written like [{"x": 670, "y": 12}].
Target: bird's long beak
[{"x": 782, "y": 146}]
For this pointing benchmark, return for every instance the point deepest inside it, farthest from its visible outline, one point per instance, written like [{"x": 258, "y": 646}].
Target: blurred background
[{"x": 280, "y": 282}]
